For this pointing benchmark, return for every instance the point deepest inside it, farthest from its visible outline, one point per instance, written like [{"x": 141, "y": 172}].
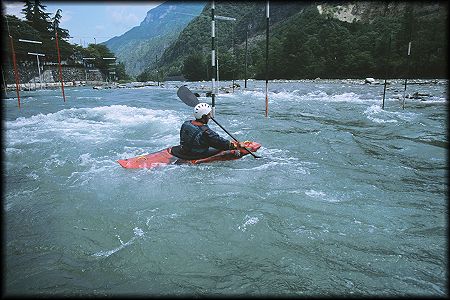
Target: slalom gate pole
[
  {"x": 16, "y": 71},
  {"x": 59, "y": 62},
  {"x": 246, "y": 42},
  {"x": 234, "y": 55},
  {"x": 407, "y": 73},
  {"x": 267, "y": 59},
  {"x": 387, "y": 66},
  {"x": 213, "y": 60},
  {"x": 4, "y": 83}
]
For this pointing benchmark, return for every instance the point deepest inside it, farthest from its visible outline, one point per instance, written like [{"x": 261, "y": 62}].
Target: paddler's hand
[{"x": 237, "y": 145}]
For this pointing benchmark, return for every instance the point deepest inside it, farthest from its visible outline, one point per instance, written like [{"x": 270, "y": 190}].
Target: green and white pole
[
  {"x": 407, "y": 73},
  {"x": 267, "y": 59},
  {"x": 213, "y": 60}
]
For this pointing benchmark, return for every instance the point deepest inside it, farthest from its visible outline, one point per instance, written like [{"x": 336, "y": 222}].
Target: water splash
[{"x": 106, "y": 253}]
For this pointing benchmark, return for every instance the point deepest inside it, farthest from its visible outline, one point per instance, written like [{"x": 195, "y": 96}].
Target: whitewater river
[{"x": 347, "y": 199}]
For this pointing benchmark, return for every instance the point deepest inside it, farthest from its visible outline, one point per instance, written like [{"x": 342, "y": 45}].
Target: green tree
[
  {"x": 40, "y": 19},
  {"x": 21, "y": 29},
  {"x": 99, "y": 52},
  {"x": 62, "y": 33},
  {"x": 120, "y": 72},
  {"x": 194, "y": 67},
  {"x": 27, "y": 11}
]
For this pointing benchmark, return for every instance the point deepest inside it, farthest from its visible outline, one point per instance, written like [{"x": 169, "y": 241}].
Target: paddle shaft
[{"x": 234, "y": 138}]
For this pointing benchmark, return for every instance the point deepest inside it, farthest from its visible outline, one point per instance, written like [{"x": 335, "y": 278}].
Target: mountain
[
  {"x": 309, "y": 39},
  {"x": 139, "y": 46}
]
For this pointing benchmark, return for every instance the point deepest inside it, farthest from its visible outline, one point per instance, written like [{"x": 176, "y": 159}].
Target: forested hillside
[{"x": 320, "y": 39}]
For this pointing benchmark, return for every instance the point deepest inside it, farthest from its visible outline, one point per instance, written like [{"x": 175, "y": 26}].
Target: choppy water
[{"x": 348, "y": 199}]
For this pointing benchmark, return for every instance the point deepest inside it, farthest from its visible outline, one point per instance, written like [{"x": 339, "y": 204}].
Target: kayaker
[{"x": 198, "y": 140}]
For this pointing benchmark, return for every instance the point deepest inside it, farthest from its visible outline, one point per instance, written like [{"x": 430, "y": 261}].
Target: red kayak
[{"x": 165, "y": 157}]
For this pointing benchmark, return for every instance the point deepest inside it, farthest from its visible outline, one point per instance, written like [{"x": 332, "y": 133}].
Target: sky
[{"x": 91, "y": 21}]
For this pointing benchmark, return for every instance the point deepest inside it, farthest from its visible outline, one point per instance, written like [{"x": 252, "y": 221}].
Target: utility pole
[
  {"x": 85, "y": 65},
  {"x": 109, "y": 73},
  {"x": 39, "y": 68},
  {"x": 226, "y": 19}
]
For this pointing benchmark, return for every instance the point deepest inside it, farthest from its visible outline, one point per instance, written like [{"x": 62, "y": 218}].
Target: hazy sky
[{"x": 92, "y": 21}]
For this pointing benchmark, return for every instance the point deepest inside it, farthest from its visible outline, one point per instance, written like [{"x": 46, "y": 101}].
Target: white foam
[
  {"x": 320, "y": 195},
  {"x": 137, "y": 233},
  {"x": 302, "y": 230},
  {"x": 295, "y": 96},
  {"x": 86, "y": 159},
  {"x": 248, "y": 221},
  {"x": 315, "y": 194},
  {"x": 386, "y": 116},
  {"x": 100, "y": 124},
  {"x": 110, "y": 252},
  {"x": 95, "y": 98},
  {"x": 33, "y": 175},
  {"x": 12, "y": 150}
]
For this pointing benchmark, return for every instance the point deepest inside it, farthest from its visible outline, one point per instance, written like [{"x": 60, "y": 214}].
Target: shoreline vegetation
[{"x": 30, "y": 86}]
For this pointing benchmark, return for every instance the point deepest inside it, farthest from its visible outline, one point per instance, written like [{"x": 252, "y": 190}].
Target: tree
[
  {"x": 40, "y": 19},
  {"x": 194, "y": 67},
  {"x": 21, "y": 29},
  {"x": 99, "y": 52},
  {"x": 120, "y": 72},
  {"x": 27, "y": 11},
  {"x": 62, "y": 33}
]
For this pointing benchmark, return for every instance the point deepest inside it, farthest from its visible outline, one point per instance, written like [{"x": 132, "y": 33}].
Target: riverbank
[
  {"x": 31, "y": 86},
  {"x": 96, "y": 84}
]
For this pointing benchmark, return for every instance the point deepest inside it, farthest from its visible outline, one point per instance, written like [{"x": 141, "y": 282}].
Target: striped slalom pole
[
  {"x": 407, "y": 72},
  {"x": 267, "y": 59},
  {"x": 386, "y": 68},
  {"x": 234, "y": 55},
  {"x": 246, "y": 55},
  {"x": 4, "y": 82},
  {"x": 213, "y": 60},
  {"x": 16, "y": 72}
]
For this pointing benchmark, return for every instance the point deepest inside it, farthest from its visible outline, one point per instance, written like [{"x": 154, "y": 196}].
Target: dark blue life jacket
[
  {"x": 196, "y": 138},
  {"x": 191, "y": 140}
]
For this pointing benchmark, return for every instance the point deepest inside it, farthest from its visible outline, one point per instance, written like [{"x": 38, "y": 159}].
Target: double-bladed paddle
[{"x": 191, "y": 100}]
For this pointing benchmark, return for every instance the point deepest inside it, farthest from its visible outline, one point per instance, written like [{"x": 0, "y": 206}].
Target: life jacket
[{"x": 191, "y": 137}]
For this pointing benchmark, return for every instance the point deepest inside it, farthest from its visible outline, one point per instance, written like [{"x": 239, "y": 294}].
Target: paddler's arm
[{"x": 216, "y": 141}]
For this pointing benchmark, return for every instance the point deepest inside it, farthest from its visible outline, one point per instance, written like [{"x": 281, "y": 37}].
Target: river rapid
[{"x": 347, "y": 199}]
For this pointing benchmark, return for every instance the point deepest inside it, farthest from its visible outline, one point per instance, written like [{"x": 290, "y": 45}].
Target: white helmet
[{"x": 201, "y": 109}]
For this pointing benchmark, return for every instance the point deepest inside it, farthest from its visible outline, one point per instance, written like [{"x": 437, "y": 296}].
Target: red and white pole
[
  {"x": 59, "y": 62},
  {"x": 16, "y": 72}
]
